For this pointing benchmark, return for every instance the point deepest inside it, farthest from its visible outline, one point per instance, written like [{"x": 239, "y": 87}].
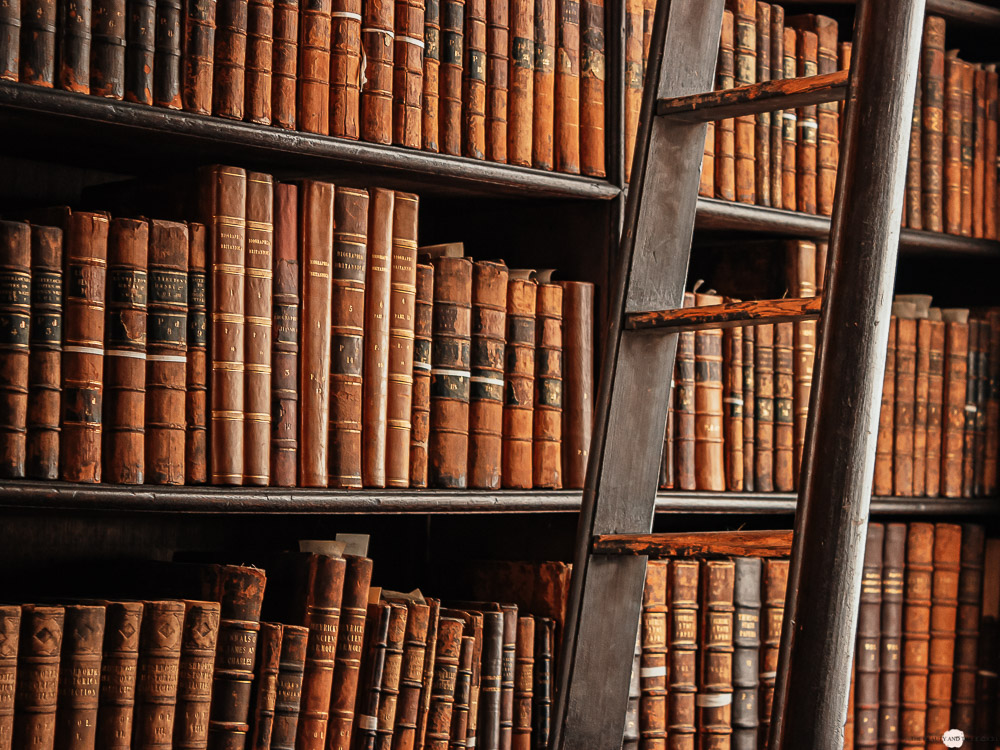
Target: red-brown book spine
[
  {"x": 372, "y": 671},
  {"x": 891, "y": 625},
  {"x": 420, "y": 407},
  {"x": 265, "y": 686},
  {"x": 430, "y": 662},
  {"x": 968, "y": 78},
  {"x": 684, "y": 408},
  {"x": 408, "y": 73},
  {"x": 547, "y": 448},
  {"x": 733, "y": 406},
  {"x": 260, "y": 53},
  {"x": 541, "y": 709},
  {"x": 802, "y": 281},
  {"x": 140, "y": 30},
  {"x": 932, "y": 115},
  {"x": 990, "y": 178},
  {"x": 346, "y": 667},
  {"x": 37, "y": 685},
  {"x": 682, "y": 649},
  {"x": 389, "y": 698},
  {"x": 653, "y": 659},
  {"x": 294, "y": 641},
  {"x": 592, "y": 71},
  {"x": 402, "y": 305},
  {"x": 971, "y": 409},
  {"x": 442, "y": 695},
  {"x": 486, "y": 382},
  {"x": 991, "y": 448},
  {"x": 578, "y": 380},
  {"x": 904, "y": 396},
  {"x": 15, "y": 319},
  {"x": 970, "y": 595},
  {"x": 10, "y": 28},
  {"x": 38, "y": 43},
  {"x": 375, "y": 387},
  {"x": 952, "y": 165},
  {"x": 120, "y": 655},
  {"x": 543, "y": 107},
  {"x": 199, "y": 55},
  {"x": 523, "y": 683},
  {"x": 762, "y": 120},
  {"x": 709, "y": 456},
  {"x": 451, "y": 73},
  {"x": 725, "y": 129},
  {"x": 196, "y": 439},
  {"x": 749, "y": 408},
  {"x": 784, "y": 407},
  {"x": 285, "y": 341},
  {"x": 921, "y": 395},
  {"x": 345, "y": 50},
  {"x": 953, "y": 406},
  {"x": 166, "y": 366},
  {"x": 86, "y": 248},
  {"x": 74, "y": 34},
  {"x": 745, "y": 73},
  {"x": 866, "y": 667},
  {"x": 984, "y": 351},
  {"x": 519, "y": 374},
  {"x": 916, "y": 634},
  {"x": 633, "y": 79},
  {"x": 316, "y": 221},
  {"x": 125, "y": 342},
  {"x": 229, "y": 73},
  {"x": 107, "y": 50},
  {"x": 156, "y": 677},
  {"x": 886, "y": 419},
  {"x": 774, "y": 583},
  {"x": 944, "y": 608},
  {"x": 430, "y": 103},
  {"x": 347, "y": 271},
  {"x": 411, "y": 676},
  {"x": 567, "y": 87},
  {"x": 45, "y": 358},
  {"x": 715, "y": 664},
  {"x": 448, "y": 444},
  {"x": 194, "y": 674},
  {"x": 324, "y": 80},
  {"x": 979, "y": 157},
  {"x": 806, "y": 156},
  {"x": 913, "y": 197},
  {"x": 80, "y": 678},
  {"x": 935, "y": 405},
  {"x": 789, "y": 125},
  {"x": 167, "y": 55},
  {"x": 497, "y": 78},
  {"x": 520, "y": 107},
  {"x": 377, "y": 29},
  {"x": 764, "y": 408},
  {"x": 284, "y": 63}
]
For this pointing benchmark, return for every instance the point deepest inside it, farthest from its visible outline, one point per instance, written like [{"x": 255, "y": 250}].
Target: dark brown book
[
  {"x": 990, "y": 146},
  {"x": 746, "y": 653},
  {"x": 732, "y": 407},
  {"x": 196, "y": 408},
  {"x": 265, "y": 686},
  {"x": 547, "y": 447},
  {"x": 430, "y": 104},
  {"x": 944, "y": 608},
  {"x": 775, "y": 581},
  {"x": 120, "y": 655},
  {"x": 167, "y": 55},
  {"x": 592, "y": 76},
  {"x": 140, "y": 50},
  {"x": 107, "y": 50},
  {"x": 508, "y": 665},
  {"x": 789, "y": 125},
  {"x": 970, "y": 596},
  {"x": 953, "y": 408},
  {"x": 578, "y": 380},
  {"x": 749, "y": 408},
  {"x": 725, "y": 129},
  {"x": 867, "y": 653},
  {"x": 682, "y": 649},
  {"x": 762, "y": 120},
  {"x": 715, "y": 662},
  {"x": 285, "y": 338},
  {"x": 891, "y": 625},
  {"x": 913, "y": 197},
  {"x": 376, "y": 324},
  {"x": 653, "y": 660},
  {"x": 414, "y": 650},
  {"x": 284, "y": 62},
  {"x": 633, "y": 79},
  {"x": 498, "y": 60},
  {"x": 377, "y": 29},
  {"x": 968, "y": 79},
  {"x": 784, "y": 407},
  {"x": 952, "y": 165},
  {"x": 802, "y": 283},
  {"x": 74, "y": 35},
  {"x": 932, "y": 103},
  {"x": 372, "y": 671},
  {"x": 474, "y": 81},
  {"x": 408, "y": 73},
  {"x": 808, "y": 137},
  {"x": 920, "y": 403},
  {"x": 38, "y": 43},
  {"x": 764, "y": 408},
  {"x": 37, "y": 686},
  {"x": 935, "y": 402},
  {"x": 474, "y": 631},
  {"x": 294, "y": 640},
  {"x": 684, "y": 408},
  {"x": 316, "y": 221},
  {"x": 541, "y": 707},
  {"x": 986, "y": 659},
  {"x": 984, "y": 352},
  {"x": 10, "y": 629},
  {"x": 345, "y": 58},
  {"x": 916, "y": 634},
  {"x": 15, "y": 320},
  {"x": 80, "y": 677},
  {"x": 430, "y": 662},
  {"x": 229, "y": 73},
  {"x": 886, "y": 419},
  {"x": 156, "y": 678},
  {"x": 166, "y": 368},
  {"x": 519, "y": 374},
  {"x": 10, "y": 23},
  {"x": 486, "y": 383},
  {"x": 194, "y": 675},
  {"x": 745, "y": 74},
  {"x": 520, "y": 107},
  {"x": 463, "y": 694},
  {"x": 904, "y": 399},
  {"x": 524, "y": 683},
  {"x": 388, "y": 703},
  {"x": 346, "y": 659},
  {"x": 420, "y": 407},
  {"x": 971, "y": 409},
  {"x": 260, "y": 54},
  {"x": 543, "y": 95},
  {"x": 199, "y": 55},
  {"x": 450, "y": 77},
  {"x": 442, "y": 694},
  {"x": 709, "y": 458},
  {"x": 566, "y": 136}
]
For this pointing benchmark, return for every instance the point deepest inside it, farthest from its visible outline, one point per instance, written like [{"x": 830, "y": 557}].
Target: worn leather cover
[
  {"x": 706, "y": 187},
  {"x": 377, "y": 32},
  {"x": 745, "y": 74},
  {"x": 167, "y": 55},
  {"x": 519, "y": 374},
  {"x": 447, "y": 652},
  {"x": 408, "y": 73},
  {"x": 944, "y": 608},
  {"x": 125, "y": 388},
  {"x": 521, "y": 81},
  {"x": 827, "y": 132},
  {"x": 709, "y": 458},
  {"x": 932, "y": 101},
  {"x": 682, "y": 645},
  {"x": 578, "y": 380},
  {"x": 15, "y": 320},
  {"x": 592, "y": 76},
  {"x": 450, "y": 76},
  {"x": 715, "y": 672},
  {"x": 199, "y": 55},
  {"x": 486, "y": 397},
  {"x": 316, "y": 221},
  {"x": 653, "y": 659},
  {"x": 228, "y": 84},
  {"x": 990, "y": 145},
  {"x": 541, "y": 707},
  {"x": 920, "y": 404},
  {"x": 430, "y": 662},
  {"x": 523, "y": 683},
  {"x": 258, "y": 290},
  {"x": 547, "y": 448},
  {"x": 634, "y": 63},
  {"x": 913, "y": 196},
  {"x": 498, "y": 65},
  {"x": 808, "y": 127},
  {"x": 970, "y": 588},
  {"x": 968, "y": 80},
  {"x": 784, "y": 420},
  {"x": 196, "y": 439},
  {"x": 953, "y": 409},
  {"x": 762, "y": 120},
  {"x": 37, "y": 685},
  {"x": 166, "y": 368},
  {"x": 260, "y": 51},
  {"x": 107, "y": 49},
  {"x": 867, "y": 656},
  {"x": 38, "y": 42},
  {"x": 567, "y": 87},
  {"x": 285, "y": 337},
  {"x": 372, "y": 673},
  {"x": 749, "y": 408},
  {"x": 74, "y": 36},
  {"x": 886, "y": 419},
  {"x": 935, "y": 404},
  {"x": 776, "y": 73},
  {"x": 801, "y": 259},
  {"x": 194, "y": 681},
  {"x": 904, "y": 396},
  {"x": 10, "y": 28},
  {"x": 430, "y": 105},
  {"x": 346, "y": 657},
  {"x": 414, "y": 648},
  {"x": 345, "y": 68},
  {"x": 746, "y": 654},
  {"x": 733, "y": 406},
  {"x": 10, "y": 627},
  {"x": 507, "y": 679},
  {"x": 420, "y": 407},
  {"x": 157, "y": 676},
  {"x": 891, "y": 623},
  {"x": 318, "y": 81},
  {"x": 764, "y": 408},
  {"x": 461, "y": 710},
  {"x": 775, "y": 582},
  {"x": 265, "y": 686},
  {"x": 284, "y": 62},
  {"x": 79, "y": 677},
  {"x": 474, "y": 81},
  {"x": 389, "y": 697},
  {"x": 971, "y": 410},
  {"x": 140, "y": 33},
  {"x": 294, "y": 640},
  {"x": 953, "y": 70},
  {"x": 684, "y": 407},
  {"x": 789, "y": 125},
  {"x": 916, "y": 634},
  {"x": 725, "y": 129},
  {"x": 984, "y": 350},
  {"x": 543, "y": 110},
  {"x": 120, "y": 655}
]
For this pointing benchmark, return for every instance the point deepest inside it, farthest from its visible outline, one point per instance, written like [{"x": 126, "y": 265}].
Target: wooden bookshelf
[{"x": 957, "y": 11}]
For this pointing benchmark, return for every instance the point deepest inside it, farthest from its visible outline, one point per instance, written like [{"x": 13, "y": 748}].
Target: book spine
[
  {"x": 423, "y": 317},
  {"x": 904, "y": 394},
  {"x": 808, "y": 54},
  {"x": 990, "y": 178},
  {"x": 518, "y": 408},
  {"x": 411, "y": 676},
  {"x": 166, "y": 361},
  {"x": 891, "y": 623},
  {"x": 460, "y": 713},
  {"x": 715, "y": 667},
  {"x": 986, "y": 681},
  {"x": 567, "y": 87},
  {"x": 708, "y": 417},
  {"x": 442, "y": 694},
  {"x": 984, "y": 351},
  {"x": 196, "y": 436},
  {"x": 991, "y": 447},
  {"x": 38, "y": 43},
  {"x": 828, "y": 124},
  {"x": 508, "y": 663},
  {"x": 498, "y": 62},
  {"x": 522, "y": 82},
  {"x": 764, "y": 408},
  {"x": 284, "y": 63},
  {"x": 920, "y": 407},
  {"x": 199, "y": 55},
  {"x": 523, "y": 683},
  {"x": 746, "y": 653},
  {"x": 229, "y": 74},
  {"x": 725, "y": 129},
  {"x": 866, "y": 666},
  {"x": 970, "y": 594},
  {"x": 37, "y": 686},
  {"x": 883, "y": 445},
  {"x": 706, "y": 187},
  {"x": 351, "y": 210},
  {"x": 592, "y": 72},
  {"x": 260, "y": 54},
  {"x": 80, "y": 678},
  {"x": 749, "y": 408},
  {"x": 953, "y": 407},
  {"x": 377, "y": 323},
  {"x": 784, "y": 407},
  {"x": 745, "y": 74},
  {"x": 156, "y": 679},
  {"x": 944, "y": 608},
  {"x": 194, "y": 674},
  {"x": 140, "y": 30},
  {"x": 107, "y": 50},
  {"x": 935, "y": 408},
  {"x": 953, "y": 144},
  {"x": 969, "y": 430},
  {"x": 541, "y": 709},
  {"x": 430, "y": 662},
  {"x": 488, "y": 729},
  {"x": 347, "y": 661},
  {"x": 452, "y": 67},
  {"x": 733, "y": 406},
  {"x": 789, "y": 125},
  {"x": 10, "y": 32},
  {"x": 578, "y": 380},
  {"x": 45, "y": 357},
  {"x": 634, "y": 70},
  {"x": 118, "y": 671},
  {"x": 10, "y": 627},
  {"x": 916, "y": 634},
  {"x": 685, "y": 418},
  {"x": 653, "y": 659},
  {"x": 316, "y": 222},
  {"x": 547, "y": 446},
  {"x": 475, "y": 691},
  {"x": 74, "y": 34},
  {"x": 682, "y": 650},
  {"x": 802, "y": 264},
  {"x": 288, "y": 696},
  {"x": 775, "y": 581},
  {"x": 377, "y": 31},
  {"x": 285, "y": 343},
  {"x": 407, "y": 73},
  {"x": 979, "y": 157},
  {"x": 762, "y": 120},
  {"x": 486, "y": 397},
  {"x": 543, "y": 108},
  {"x": 967, "y": 83},
  {"x": 167, "y": 55},
  {"x": 345, "y": 67},
  {"x": 913, "y": 196},
  {"x": 430, "y": 104},
  {"x": 265, "y": 686},
  {"x": 15, "y": 345},
  {"x": 932, "y": 115}
]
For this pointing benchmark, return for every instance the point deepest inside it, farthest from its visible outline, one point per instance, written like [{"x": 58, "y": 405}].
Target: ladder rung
[
  {"x": 728, "y": 315},
  {"x": 755, "y": 543},
  {"x": 760, "y": 97}
]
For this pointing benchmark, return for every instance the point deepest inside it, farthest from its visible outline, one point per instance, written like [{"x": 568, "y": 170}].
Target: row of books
[
  {"x": 450, "y": 373},
  {"x": 513, "y": 81}
]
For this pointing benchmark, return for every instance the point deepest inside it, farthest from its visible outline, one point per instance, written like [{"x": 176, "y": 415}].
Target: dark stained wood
[
  {"x": 703, "y": 544},
  {"x": 961, "y": 11},
  {"x": 730, "y": 315},
  {"x": 760, "y": 97},
  {"x": 821, "y": 608}
]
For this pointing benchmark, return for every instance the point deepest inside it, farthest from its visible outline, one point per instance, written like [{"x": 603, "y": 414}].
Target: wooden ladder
[{"x": 838, "y": 462}]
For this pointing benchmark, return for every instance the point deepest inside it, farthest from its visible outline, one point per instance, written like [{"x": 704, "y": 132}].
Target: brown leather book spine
[
  {"x": 808, "y": 54},
  {"x": 140, "y": 30},
  {"x": 826, "y": 113},
  {"x": 541, "y": 709},
  {"x": 316, "y": 221},
  {"x": 524, "y": 683},
  {"x": 389, "y": 699},
  {"x": 986, "y": 675},
  {"x": 953, "y": 144},
  {"x": 229, "y": 75},
  {"x": 709, "y": 459},
  {"x": 339, "y": 44},
  {"x": 166, "y": 367},
  {"x": 990, "y": 145},
  {"x": 904, "y": 396},
  {"x": 447, "y": 651},
  {"x": 125, "y": 350},
  {"x": 508, "y": 664},
  {"x": 762, "y": 120},
  {"x": 448, "y": 443},
  {"x": 372, "y": 671},
  {"x": 866, "y": 664},
  {"x": 984, "y": 351},
  {"x": 430, "y": 103},
  {"x": 543, "y": 107},
  {"x": 891, "y": 617},
  {"x": 991, "y": 447},
  {"x": 789, "y": 125},
  {"x": 80, "y": 678},
  {"x": 518, "y": 408},
  {"x": 225, "y": 220},
  {"x": 578, "y": 380},
  {"x": 784, "y": 407},
  {"x": 475, "y": 629},
  {"x": 497, "y": 78},
  {"x": 921, "y": 394},
  {"x": 886, "y": 419},
  {"x": 15, "y": 320},
  {"x": 913, "y": 197},
  {"x": 377, "y": 30},
  {"x": 486, "y": 384},
  {"x": 199, "y": 55},
  {"x": 451, "y": 71},
  {"x": 746, "y": 653},
  {"x": 547, "y": 447},
  {"x": 725, "y": 129},
  {"x": 968, "y": 78},
  {"x": 285, "y": 337},
  {"x": 45, "y": 357},
  {"x": 935, "y": 407},
  {"x": 932, "y": 115},
  {"x": 196, "y": 438},
  {"x": 777, "y": 73},
  {"x": 74, "y": 34},
  {"x": 194, "y": 674},
  {"x": 120, "y": 655},
  {"x": 522, "y": 82},
  {"x": 567, "y": 87},
  {"x": 157, "y": 675},
  {"x": 775, "y": 582},
  {"x": 745, "y": 74},
  {"x": 86, "y": 248},
  {"x": 802, "y": 281},
  {"x": 411, "y": 676},
  {"x": 971, "y": 408},
  {"x": 420, "y": 410},
  {"x": 684, "y": 407},
  {"x": 38, "y": 42},
  {"x": 733, "y": 406},
  {"x": 633, "y": 79},
  {"x": 294, "y": 640},
  {"x": 944, "y": 608},
  {"x": 970, "y": 594},
  {"x": 260, "y": 53},
  {"x": 979, "y": 158},
  {"x": 653, "y": 659},
  {"x": 377, "y": 301},
  {"x": 258, "y": 290},
  {"x": 284, "y": 62},
  {"x": 953, "y": 406},
  {"x": 764, "y": 408},
  {"x": 592, "y": 72},
  {"x": 10, "y": 33},
  {"x": 749, "y": 408},
  {"x": 37, "y": 686},
  {"x": 107, "y": 50},
  {"x": 347, "y": 270},
  {"x": 706, "y": 188},
  {"x": 715, "y": 664},
  {"x": 167, "y": 55},
  {"x": 430, "y": 662},
  {"x": 916, "y": 634},
  {"x": 265, "y": 686},
  {"x": 682, "y": 651},
  {"x": 408, "y": 73},
  {"x": 402, "y": 303}
]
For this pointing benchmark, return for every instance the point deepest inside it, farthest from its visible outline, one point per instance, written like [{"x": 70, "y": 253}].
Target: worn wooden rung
[
  {"x": 728, "y": 315},
  {"x": 788, "y": 93},
  {"x": 698, "y": 544}
]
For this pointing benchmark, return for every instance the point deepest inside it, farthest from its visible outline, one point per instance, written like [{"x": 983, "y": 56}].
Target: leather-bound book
[
  {"x": 196, "y": 408},
  {"x": 682, "y": 649},
  {"x": 867, "y": 655},
  {"x": 460, "y": 713},
  {"x": 10, "y": 22},
  {"x": 120, "y": 654},
  {"x": 265, "y": 686},
  {"x": 984, "y": 350},
  {"x": 775, "y": 581},
  {"x": 199, "y": 640},
  {"x": 808, "y": 54},
  {"x": 377, "y": 29},
  {"x": 15, "y": 315},
  {"x": 45, "y": 356},
  {"x": 408, "y": 73},
  {"x": 491, "y": 667},
  {"x": 732, "y": 406},
  {"x": 891, "y": 625},
  {"x": 80, "y": 677},
  {"x": 199, "y": 55},
  {"x": 423, "y": 311},
  {"x": 316, "y": 220},
  {"x": 956, "y": 323},
  {"x": 746, "y": 653},
  {"x": 932, "y": 116},
  {"x": 518, "y": 409},
  {"x": 125, "y": 349},
  {"x": 167, "y": 55},
  {"x": 968, "y": 78},
  {"x": 971, "y": 408},
  {"x": 166, "y": 368},
  {"x": 376, "y": 323},
  {"x": 10, "y": 629},
  {"x": 566, "y": 137},
  {"x": 633, "y": 79},
  {"x": 414, "y": 648},
  {"x": 449, "y": 387},
  {"x": 543, "y": 106},
  {"x": 991, "y": 447},
  {"x": 762, "y": 120},
  {"x": 85, "y": 253},
  {"x": 74, "y": 34},
  {"x": 156, "y": 677},
  {"x": 38, "y": 43},
  {"x": 541, "y": 707},
  {"x": 240, "y": 593},
  {"x": 784, "y": 407},
  {"x": 140, "y": 50},
  {"x": 450, "y": 76},
  {"x": 802, "y": 283},
  {"x": 345, "y": 69},
  {"x": 986, "y": 675},
  {"x": 883, "y": 446},
  {"x": 524, "y": 683},
  {"x": 935, "y": 402},
  {"x": 970, "y": 595},
  {"x": 498, "y": 60},
  {"x": 709, "y": 456},
  {"x": 944, "y": 609},
  {"x": 706, "y": 188},
  {"x": 346, "y": 345},
  {"x": 37, "y": 685},
  {"x": 229, "y": 76},
  {"x": 592, "y": 67},
  {"x": 764, "y": 408},
  {"x": 653, "y": 661},
  {"x": 486, "y": 397},
  {"x": 952, "y": 165},
  {"x": 913, "y": 196},
  {"x": 916, "y": 634},
  {"x": 547, "y": 447},
  {"x": 508, "y": 663},
  {"x": 107, "y": 50},
  {"x": 725, "y": 129},
  {"x": 789, "y": 126},
  {"x": 430, "y": 662},
  {"x": 715, "y": 663},
  {"x": 578, "y": 380},
  {"x": 225, "y": 221},
  {"x": 921, "y": 394},
  {"x": 284, "y": 62},
  {"x": 522, "y": 82},
  {"x": 749, "y": 408},
  {"x": 474, "y": 81},
  {"x": 990, "y": 177},
  {"x": 442, "y": 695},
  {"x": 904, "y": 398},
  {"x": 388, "y": 703},
  {"x": 684, "y": 407},
  {"x": 430, "y": 104},
  {"x": 260, "y": 53},
  {"x": 291, "y": 665},
  {"x": 285, "y": 337},
  {"x": 745, "y": 74}
]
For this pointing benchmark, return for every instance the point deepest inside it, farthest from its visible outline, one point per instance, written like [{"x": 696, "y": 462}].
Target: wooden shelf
[
  {"x": 957, "y": 11},
  {"x": 137, "y": 139}
]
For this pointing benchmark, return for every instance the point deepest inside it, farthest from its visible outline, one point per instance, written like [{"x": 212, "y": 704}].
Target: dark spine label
[
  {"x": 196, "y": 289},
  {"x": 549, "y": 393},
  {"x": 127, "y": 286},
  {"x": 15, "y": 288},
  {"x": 14, "y": 330},
  {"x": 46, "y": 288},
  {"x": 286, "y": 324},
  {"x": 452, "y": 384},
  {"x": 522, "y": 53},
  {"x": 481, "y": 391},
  {"x": 197, "y": 329},
  {"x": 167, "y": 328},
  {"x": 347, "y": 354},
  {"x": 46, "y": 329},
  {"x": 169, "y": 288}
]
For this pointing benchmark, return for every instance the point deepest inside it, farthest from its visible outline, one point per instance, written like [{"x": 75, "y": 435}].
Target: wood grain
[
  {"x": 727, "y": 315},
  {"x": 704, "y": 544}
]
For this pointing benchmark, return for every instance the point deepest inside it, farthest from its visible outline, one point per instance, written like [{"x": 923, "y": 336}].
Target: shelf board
[
  {"x": 135, "y": 138},
  {"x": 958, "y": 11}
]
